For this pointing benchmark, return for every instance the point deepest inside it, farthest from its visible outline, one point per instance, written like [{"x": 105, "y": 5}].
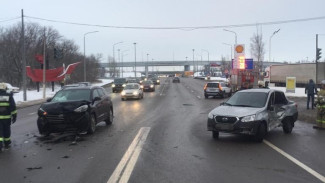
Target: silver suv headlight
[
  {"x": 210, "y": 115},
  {"x": 248, "y": 118},
  {"x": 82, "y": 108}
]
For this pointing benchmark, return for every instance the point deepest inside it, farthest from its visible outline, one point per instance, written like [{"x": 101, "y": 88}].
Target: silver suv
[
  {"x": 253, "y": 112},
  {"x": 217, "y": 89}
]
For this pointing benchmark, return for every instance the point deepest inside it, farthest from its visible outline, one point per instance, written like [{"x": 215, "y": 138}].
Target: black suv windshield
[
  {"x": 248, "y": 99},
  {"x": 120, "y": 80},
  {"x": 147, "y": 82},
  {"x": 131, "y": 87},
  {"x": 71, "y": 95}
]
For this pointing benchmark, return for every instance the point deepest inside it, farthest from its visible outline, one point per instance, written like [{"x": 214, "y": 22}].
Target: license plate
[{"x": 224, "y": 126}]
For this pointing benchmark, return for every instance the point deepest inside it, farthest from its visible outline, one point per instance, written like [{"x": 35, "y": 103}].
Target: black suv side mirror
[
  {"x": 48, "y": 100},
  {"x": 96, "y": 99}
]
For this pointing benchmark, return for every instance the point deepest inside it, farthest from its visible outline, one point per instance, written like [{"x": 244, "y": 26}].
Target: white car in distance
[{"x": 132, "y": 91}]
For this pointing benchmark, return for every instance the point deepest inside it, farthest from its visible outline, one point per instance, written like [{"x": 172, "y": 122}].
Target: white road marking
[
  {"x": 294, "y": 160},
  {"x": 162, "y": 91},
  {"x": 124, "y": 169},
  {"x": 32, "y": 113},
  {"x": 198, "y": 96}
]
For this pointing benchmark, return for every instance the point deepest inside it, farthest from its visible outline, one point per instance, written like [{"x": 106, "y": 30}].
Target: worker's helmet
[
  {"x": 261, "y": 83},
  {"x": 323, "y": 82},
  {"x": 3, "y": 86}
]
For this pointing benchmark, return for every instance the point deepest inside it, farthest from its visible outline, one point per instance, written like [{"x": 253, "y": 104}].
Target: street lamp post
[
  {"x": 85, "y": 53},
  {"x": 135, "y": 60},
  {"x": 114, "y": 54},
  {"x": 193, "y": 62},
  {"x": 119, "y": 59},
  {"x": 230, "y": 49},
  {"x": 147, "y": 69},
  {"x": 270, "y": 43},
  {"x": 152, "y": 68},
  {"x": 197, "y": 63},
  {"x": 232, "y": 32},
  {"x": 122, "y": 55}
]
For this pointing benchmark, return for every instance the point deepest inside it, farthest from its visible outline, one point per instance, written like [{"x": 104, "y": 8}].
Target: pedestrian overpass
[{"x": 185, "y": 64}]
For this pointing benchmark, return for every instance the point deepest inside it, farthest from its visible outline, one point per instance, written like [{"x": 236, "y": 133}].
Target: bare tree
[
  {"x": 10, "y": 56},
  {"x": 258, "y": 51},
  {"x": 257, "y": 47}
]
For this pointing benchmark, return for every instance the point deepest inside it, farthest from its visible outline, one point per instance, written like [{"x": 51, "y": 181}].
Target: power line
[
  {"x": 184, "y": 28},
  {"x": 7, "y": 20}
]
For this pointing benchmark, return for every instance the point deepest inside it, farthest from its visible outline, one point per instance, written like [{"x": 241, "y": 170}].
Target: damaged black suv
[{"x": 76, "y": 109}]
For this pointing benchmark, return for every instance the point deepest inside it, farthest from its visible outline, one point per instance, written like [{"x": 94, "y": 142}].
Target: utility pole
[
  {"x": 316, "y": 59},
  {"x": 44, "y": 65},
  {"x": 23, "y": 52}
]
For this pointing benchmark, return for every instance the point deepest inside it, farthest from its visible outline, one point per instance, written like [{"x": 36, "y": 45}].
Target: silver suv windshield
[{"x": 248, "y": 99}]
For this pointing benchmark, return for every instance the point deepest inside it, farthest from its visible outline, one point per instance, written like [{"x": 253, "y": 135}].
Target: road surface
[{"x": 162, "y": 138}]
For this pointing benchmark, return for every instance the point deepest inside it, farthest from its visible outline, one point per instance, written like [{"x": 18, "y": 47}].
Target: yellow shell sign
[{"x": 239, "y": 49}]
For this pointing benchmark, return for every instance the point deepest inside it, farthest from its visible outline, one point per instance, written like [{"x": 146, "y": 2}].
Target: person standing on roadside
[
  {"x": 310, "y": 90},
  {"x": 320, "y": 119},
  {"x": 8, "y": 115}
]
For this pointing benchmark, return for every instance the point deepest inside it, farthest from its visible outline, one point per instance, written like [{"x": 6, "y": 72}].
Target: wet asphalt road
[{"x": 178, "y": 147}]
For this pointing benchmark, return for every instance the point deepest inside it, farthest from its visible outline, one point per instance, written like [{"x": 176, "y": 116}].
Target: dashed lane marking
[
  {"x": 162, "y": 91},
  {"x": 294, "y": 160},
  {"x": 124, "y": 169},
  {"x": 32, "y": 113}
]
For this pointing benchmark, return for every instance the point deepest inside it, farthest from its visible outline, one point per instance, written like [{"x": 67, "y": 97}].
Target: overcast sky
[{"x": 295, "y": 41}]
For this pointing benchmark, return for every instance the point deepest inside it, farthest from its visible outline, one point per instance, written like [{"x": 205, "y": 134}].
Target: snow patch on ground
[{"x": 32, "y": 95}]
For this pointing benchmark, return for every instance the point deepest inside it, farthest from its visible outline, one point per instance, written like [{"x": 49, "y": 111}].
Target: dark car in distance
[
  {"x": 176, "y": 80},
  {"x": 76, "y": 109},
  {"x": 155, "y": 80},
  {"x": 148, "y": 86},
  {"x": 118, "y": 84}
]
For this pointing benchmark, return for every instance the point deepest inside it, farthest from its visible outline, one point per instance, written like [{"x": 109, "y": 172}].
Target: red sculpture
[{"x": 56, "y": 74}]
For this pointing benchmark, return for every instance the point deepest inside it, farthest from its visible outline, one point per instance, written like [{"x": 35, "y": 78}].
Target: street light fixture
[
  {"x": 270, "y": 43},
  {"x": 232, "y": 32},
  {"x": 230, "y": 49},
  {"x": 135, "y": 60},
  {"x": 85, "y": 52}
]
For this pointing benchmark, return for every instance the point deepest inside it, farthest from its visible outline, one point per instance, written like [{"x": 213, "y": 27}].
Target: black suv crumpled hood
[{"x": 62, "y": 107}]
